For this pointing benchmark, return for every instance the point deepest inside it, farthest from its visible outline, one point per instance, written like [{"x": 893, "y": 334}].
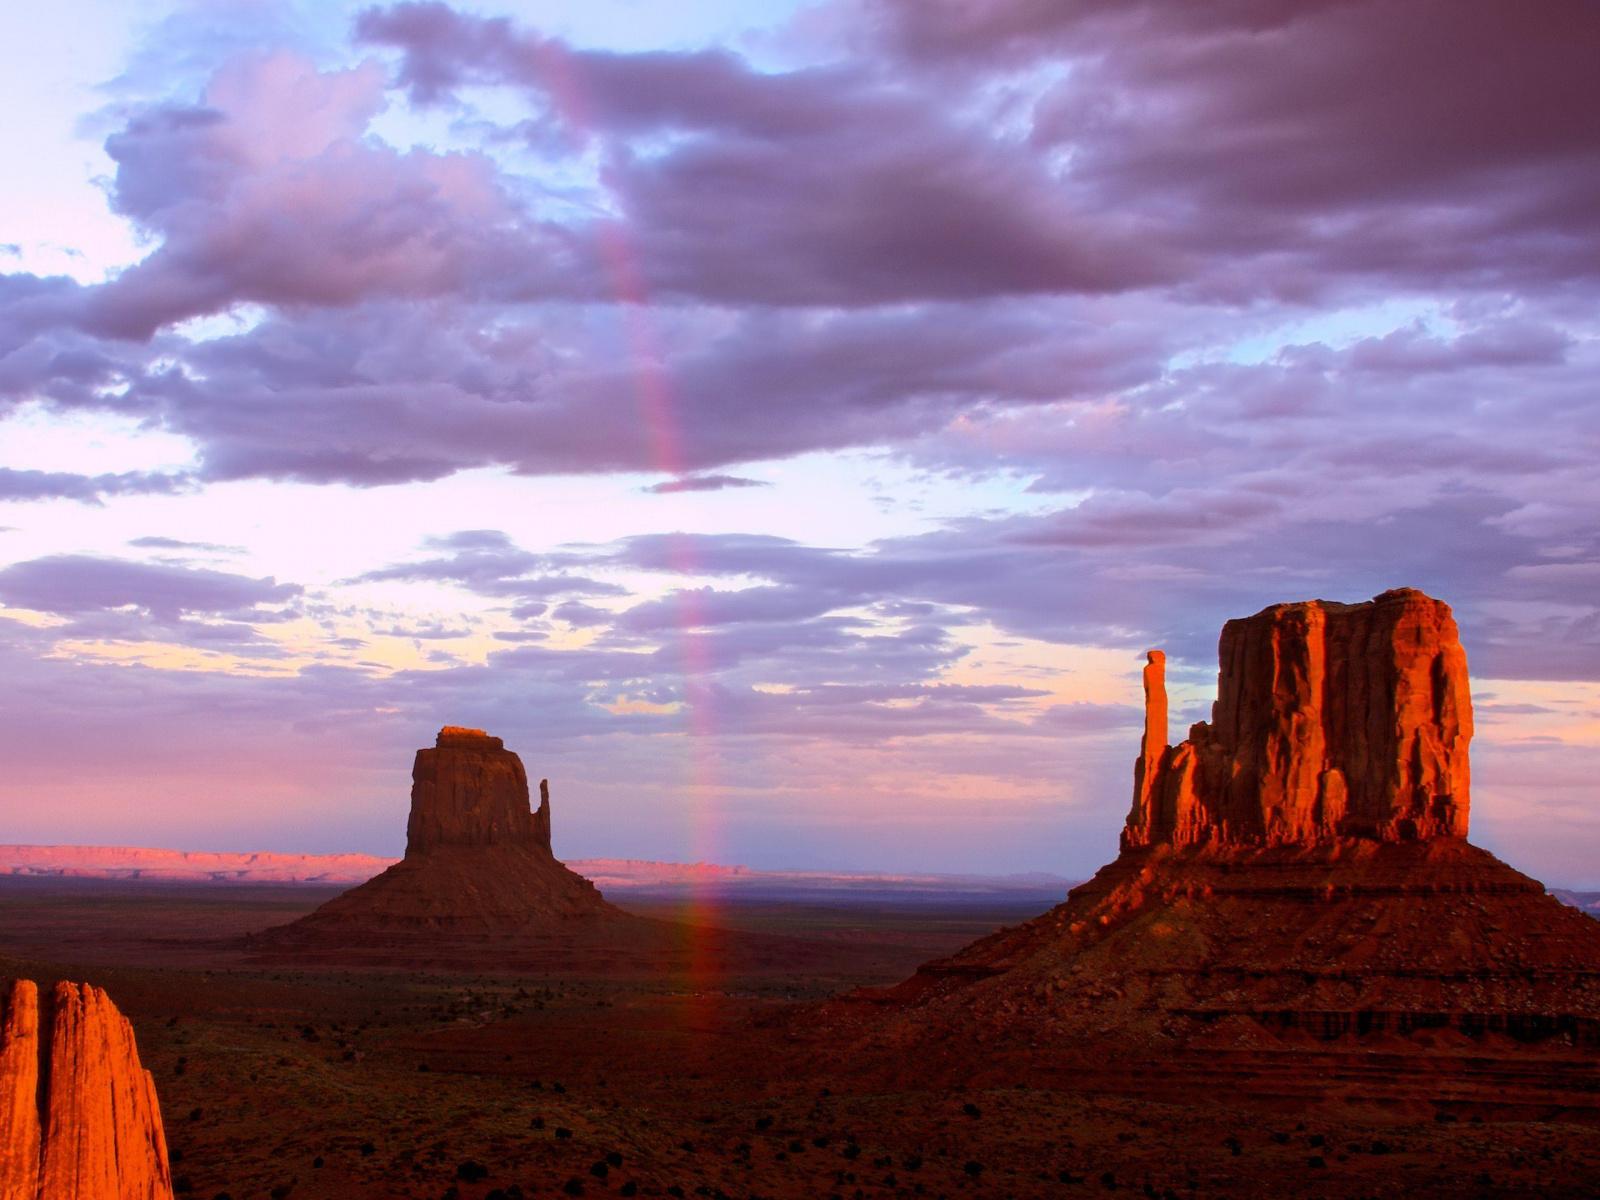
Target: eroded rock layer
[
  {"x": 1331, "y": 720},
  {"x": 78, "y": 1113}
]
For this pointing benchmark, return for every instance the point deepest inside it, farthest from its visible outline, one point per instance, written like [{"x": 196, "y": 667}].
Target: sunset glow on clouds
[{"x": 786, "y": 424}]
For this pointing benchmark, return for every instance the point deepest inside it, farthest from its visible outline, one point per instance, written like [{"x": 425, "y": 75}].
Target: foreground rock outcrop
[
  {"x": 78, "y": 1113},
  {"x": 1294, "y": 874}
]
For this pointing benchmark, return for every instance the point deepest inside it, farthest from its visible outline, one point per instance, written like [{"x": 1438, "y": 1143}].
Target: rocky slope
[{"x": 78, "y": 1113}]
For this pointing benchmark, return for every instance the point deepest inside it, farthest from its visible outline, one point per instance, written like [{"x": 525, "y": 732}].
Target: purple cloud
[{"x": 703, "y": 483}]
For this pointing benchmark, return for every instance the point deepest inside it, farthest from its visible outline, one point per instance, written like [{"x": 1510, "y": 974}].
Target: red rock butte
[
  {"x": 478, "y": 859},
  {"x": 1294, "y": 875},
  {"x": 1331, "y": 720},
  {"x": 78, "y": 1113}
]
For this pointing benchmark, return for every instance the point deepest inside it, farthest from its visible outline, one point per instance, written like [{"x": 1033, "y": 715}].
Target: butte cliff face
[
  {"x": 1331, "y": 720},
  {"x": 1295, "y": 872},
  {"x": 478, "y": 862},
  {"x": 78, "y": 1113},
  {"x": 469, "y": 790}
]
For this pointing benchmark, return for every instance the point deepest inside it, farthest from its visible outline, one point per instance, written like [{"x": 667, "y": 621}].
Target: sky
[{"x": 785, "y": 424}]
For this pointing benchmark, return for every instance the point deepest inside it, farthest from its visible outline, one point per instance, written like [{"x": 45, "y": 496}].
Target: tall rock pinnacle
[
  {"x": 78, "y": 1113},
  {"x": 1331, "y": 720}
]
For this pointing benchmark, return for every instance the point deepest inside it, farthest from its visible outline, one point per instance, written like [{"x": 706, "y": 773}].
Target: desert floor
[{"x": 686, "y": 1081}]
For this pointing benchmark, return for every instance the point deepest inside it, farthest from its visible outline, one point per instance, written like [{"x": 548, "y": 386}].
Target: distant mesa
[
  {"x": 78, "y": 1113},
  {"x": 1294, "y": 871},
  {"x": 478, "y": 860}
]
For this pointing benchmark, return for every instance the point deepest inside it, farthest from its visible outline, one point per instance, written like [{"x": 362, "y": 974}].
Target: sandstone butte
[
  {"x": 78, "y": 1113},
  {"x": 1331, "y": 720},
  {"x": 478, "y": 861},
  {"x": 1296, "y": 868}
]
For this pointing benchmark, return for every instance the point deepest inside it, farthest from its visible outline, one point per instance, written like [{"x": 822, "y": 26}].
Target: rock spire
[
  {"x": 1331, "y": 720},
  {"x": 78, "y": 1113}
]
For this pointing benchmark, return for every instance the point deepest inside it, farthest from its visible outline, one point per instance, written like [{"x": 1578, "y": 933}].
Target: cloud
[
  {"x": 703, "y": 483},
  {"x": 70, "y": 584},
  {"x": 268, "y": 192},
  {"x": 486, "y": 561},
  {"x": 810, "y": 186},
  {"x": 154, "y": 542},
  {"x": 1295, "y": 145},
  {"x": 90, "y": 489},
  {"x": 111, "y": 599}
]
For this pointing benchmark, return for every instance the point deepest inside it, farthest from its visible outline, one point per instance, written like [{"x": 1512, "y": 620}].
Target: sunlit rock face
[
  {"x": 78, "y": 1113},
  {"x": 1331, "y": 720}
]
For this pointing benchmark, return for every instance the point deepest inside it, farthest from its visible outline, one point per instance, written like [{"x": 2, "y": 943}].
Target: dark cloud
[
  {"x": 1305, "y": 142},
  {"x": 811, "y": 186},
  {"x": 831, "y": 255}
]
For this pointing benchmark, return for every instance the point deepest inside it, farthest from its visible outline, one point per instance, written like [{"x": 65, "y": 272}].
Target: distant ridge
[{"x": 154, "y": 865}]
